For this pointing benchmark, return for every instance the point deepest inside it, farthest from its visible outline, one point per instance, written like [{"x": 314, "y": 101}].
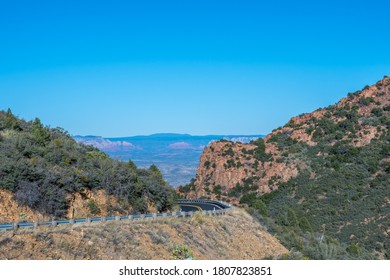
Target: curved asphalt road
[{"x": 187, "y": 205}]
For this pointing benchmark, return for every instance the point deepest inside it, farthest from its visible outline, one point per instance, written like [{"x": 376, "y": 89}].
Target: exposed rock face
[
  {"x": 79, "y": 207},
  {"x": 10, "y": 211},
  {"x": 79, "y": 204},
  {"x": 226, "y": 168},
  {"x": 215, "y": 166},
  {"x": 227, "y": 165}
]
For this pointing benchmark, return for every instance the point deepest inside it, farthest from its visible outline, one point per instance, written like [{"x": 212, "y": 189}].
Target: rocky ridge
[{"x": 228, "y": 170}]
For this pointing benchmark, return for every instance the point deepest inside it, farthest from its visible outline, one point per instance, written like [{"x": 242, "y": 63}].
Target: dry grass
[{"x": 233, "y": 236}]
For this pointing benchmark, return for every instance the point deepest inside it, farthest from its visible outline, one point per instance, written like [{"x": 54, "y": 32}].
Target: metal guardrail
[{"x": 181, "y": 214}]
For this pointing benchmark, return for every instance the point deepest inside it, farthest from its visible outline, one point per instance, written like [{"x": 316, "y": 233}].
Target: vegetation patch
[{"x": 43, "y": 166}]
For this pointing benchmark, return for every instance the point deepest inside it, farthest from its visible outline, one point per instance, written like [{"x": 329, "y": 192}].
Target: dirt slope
[{"x": 233, "y": 236}]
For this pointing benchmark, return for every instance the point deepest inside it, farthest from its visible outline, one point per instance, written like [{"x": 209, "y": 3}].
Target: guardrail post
[
  {"x": 117, "y": 218},
  {"x": 165, "y": 215},
  {"x": 130, "y": 217},
  {"x": 154, "y": 216},
  {"x": 103, "y": 219},
  {"x": 88, "y": 220},
  {"x": 71, "y": 221},
  {"x": 35, "y": 225},
  {"x": 183, "y": 214},
  {"x": 15, "y": 226},
  {"x": 174, "y": 214},
  {"x": 54, "y": 223},
  {"x": 142, "y": 216}
]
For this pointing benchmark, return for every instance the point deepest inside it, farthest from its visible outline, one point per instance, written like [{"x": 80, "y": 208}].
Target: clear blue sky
[{"x": 121, "y": 68}]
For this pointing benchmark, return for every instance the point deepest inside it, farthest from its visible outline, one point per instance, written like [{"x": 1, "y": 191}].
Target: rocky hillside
[
  {"x": 229, "y": 170},
  {"x": 330, "y": 168},
  {"x": 234, "y": 236},
  {"x": 45, "y": 174}
]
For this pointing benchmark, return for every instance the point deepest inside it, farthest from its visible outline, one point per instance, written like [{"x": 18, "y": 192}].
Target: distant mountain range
[{"x": 176, "y": 155}]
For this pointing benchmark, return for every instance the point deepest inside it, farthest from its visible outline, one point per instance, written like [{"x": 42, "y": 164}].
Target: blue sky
[{"x": 121, "y": 68}]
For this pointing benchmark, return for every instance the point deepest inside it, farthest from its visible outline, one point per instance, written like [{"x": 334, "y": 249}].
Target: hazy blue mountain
[{"x": 176, "y": 155}]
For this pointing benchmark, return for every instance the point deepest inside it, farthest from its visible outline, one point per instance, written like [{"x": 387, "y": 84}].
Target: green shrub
[
  {"x": 229, "y": 152},
  {"x": 181, "y": 252},
  {"x": 260, "y": 206},
  {"x": 364, "y": 101},
  {"x": 93, "y": 207},
  {"x": 378, "y": 112}
]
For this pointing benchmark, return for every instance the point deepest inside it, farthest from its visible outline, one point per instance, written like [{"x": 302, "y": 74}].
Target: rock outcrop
[{"x": 228, "y": 170}]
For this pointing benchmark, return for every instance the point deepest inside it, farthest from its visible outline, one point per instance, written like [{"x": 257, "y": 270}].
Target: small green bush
[
  {"x": 93, "y": 207},
  {"x": 181, "y": 252}
]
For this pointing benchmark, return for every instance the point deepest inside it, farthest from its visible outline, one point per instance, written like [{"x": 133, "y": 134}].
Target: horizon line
[{"x": 171, "y": 134}]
